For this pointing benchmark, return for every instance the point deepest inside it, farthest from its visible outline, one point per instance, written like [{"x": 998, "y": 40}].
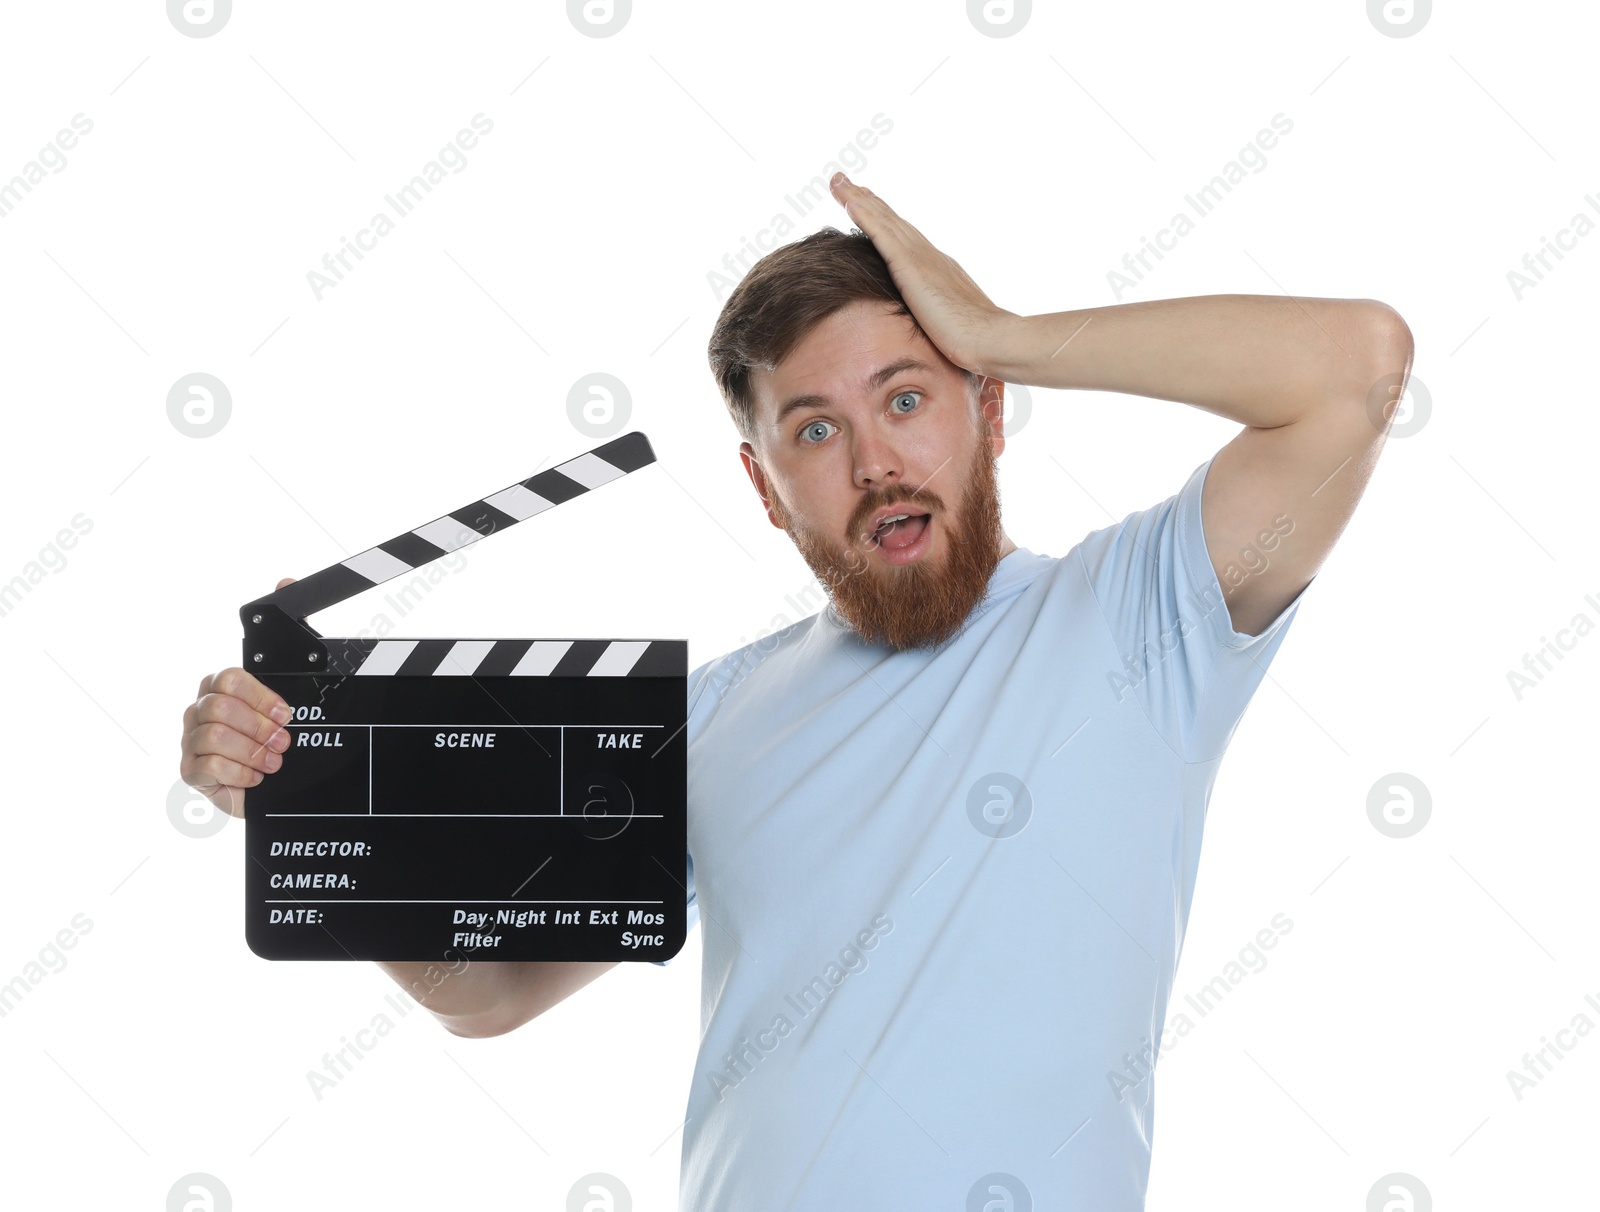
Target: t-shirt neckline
[{"x": 1011, "y": 570}]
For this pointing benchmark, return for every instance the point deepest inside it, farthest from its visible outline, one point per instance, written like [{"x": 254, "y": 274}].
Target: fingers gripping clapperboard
[{"x": 500, "y": 799}]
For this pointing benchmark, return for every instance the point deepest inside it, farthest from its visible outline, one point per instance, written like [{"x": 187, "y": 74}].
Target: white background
[{"x": 579, "y": 237}]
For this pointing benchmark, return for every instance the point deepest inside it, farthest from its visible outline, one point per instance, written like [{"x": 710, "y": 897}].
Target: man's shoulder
[{"x": 721, "y": 673}]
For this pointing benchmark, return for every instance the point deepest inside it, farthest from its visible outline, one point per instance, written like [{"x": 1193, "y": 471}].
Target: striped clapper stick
[{"x": 447, "y": 800}]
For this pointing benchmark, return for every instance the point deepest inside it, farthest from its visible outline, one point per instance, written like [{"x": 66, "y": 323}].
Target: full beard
[{"x": 924, "y": 603}]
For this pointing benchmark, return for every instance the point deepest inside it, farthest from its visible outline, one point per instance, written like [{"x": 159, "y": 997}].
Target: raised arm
[{"x": 1314, "y": 382}]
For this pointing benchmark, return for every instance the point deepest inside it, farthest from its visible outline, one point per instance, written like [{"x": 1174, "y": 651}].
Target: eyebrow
[{"x": 878, "y": 378}]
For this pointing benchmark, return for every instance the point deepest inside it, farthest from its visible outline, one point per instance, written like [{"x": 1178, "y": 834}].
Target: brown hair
[{"x": 783, "y": 297}]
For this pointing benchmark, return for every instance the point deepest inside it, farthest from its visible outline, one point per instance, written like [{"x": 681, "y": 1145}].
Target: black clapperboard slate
[{"x": 486, "y": 799}]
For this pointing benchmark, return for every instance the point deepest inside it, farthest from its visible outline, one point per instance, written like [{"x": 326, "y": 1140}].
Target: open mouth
[{"x": 900, "y": 530}]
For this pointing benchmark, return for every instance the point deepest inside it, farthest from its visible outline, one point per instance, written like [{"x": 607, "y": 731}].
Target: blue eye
[{"x": 811, "y": 425}]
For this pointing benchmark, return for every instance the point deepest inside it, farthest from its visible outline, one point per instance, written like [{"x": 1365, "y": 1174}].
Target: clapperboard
[{"x": 492, "y": 799}]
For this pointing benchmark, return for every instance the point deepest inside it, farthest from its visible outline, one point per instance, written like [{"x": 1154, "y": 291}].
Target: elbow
[
  {"x": 1381, "y": 368},
  {"x": 1377, "y": 363},
  {"x": 485, "y": 1025},
  {"x": 1389, "y": 337},
  {"x": 473, "y": 1031},
  {"x": 1372, "y": 364}
]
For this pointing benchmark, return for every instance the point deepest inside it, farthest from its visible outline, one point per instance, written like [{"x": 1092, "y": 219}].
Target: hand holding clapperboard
[{"x": 499, "y": 799}]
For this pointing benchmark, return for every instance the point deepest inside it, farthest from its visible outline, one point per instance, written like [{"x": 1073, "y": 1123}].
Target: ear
[
  {"x": 992, "y": 404},
  {"x": 747, "y": 455}
]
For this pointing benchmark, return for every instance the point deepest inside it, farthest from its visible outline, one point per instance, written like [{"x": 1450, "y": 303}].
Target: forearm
[
  {"x": 459, "y": 993},
  {"x": 477, "y": 998},
  {"x": 1260, "y": 360}
]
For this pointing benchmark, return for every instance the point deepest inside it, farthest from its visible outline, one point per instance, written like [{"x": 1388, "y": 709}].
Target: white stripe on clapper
[
  {"x": 541, "y": 658},
  {"x": 464, "y": 656},
  {"x": 387, "y": 657},
  {"x": 376, "y": 565},
  {"x": 518, "y": 502},
  {"x": 590, "y": 471},
  {"x": 447, "y": 533},
  {"x": 619, "y": 657}
]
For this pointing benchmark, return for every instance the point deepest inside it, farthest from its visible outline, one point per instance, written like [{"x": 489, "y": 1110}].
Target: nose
[{"x": 877, "y": 463}]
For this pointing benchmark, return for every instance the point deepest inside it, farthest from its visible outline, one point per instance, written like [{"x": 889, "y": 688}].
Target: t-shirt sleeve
[{"x": 1191, "y": 672}]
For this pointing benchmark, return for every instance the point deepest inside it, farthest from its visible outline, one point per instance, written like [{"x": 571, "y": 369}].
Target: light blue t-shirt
[{"x": 943, "y": 894}]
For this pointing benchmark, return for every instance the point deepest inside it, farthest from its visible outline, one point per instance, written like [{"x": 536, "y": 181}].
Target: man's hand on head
[{"x": 955, "y": 314}]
